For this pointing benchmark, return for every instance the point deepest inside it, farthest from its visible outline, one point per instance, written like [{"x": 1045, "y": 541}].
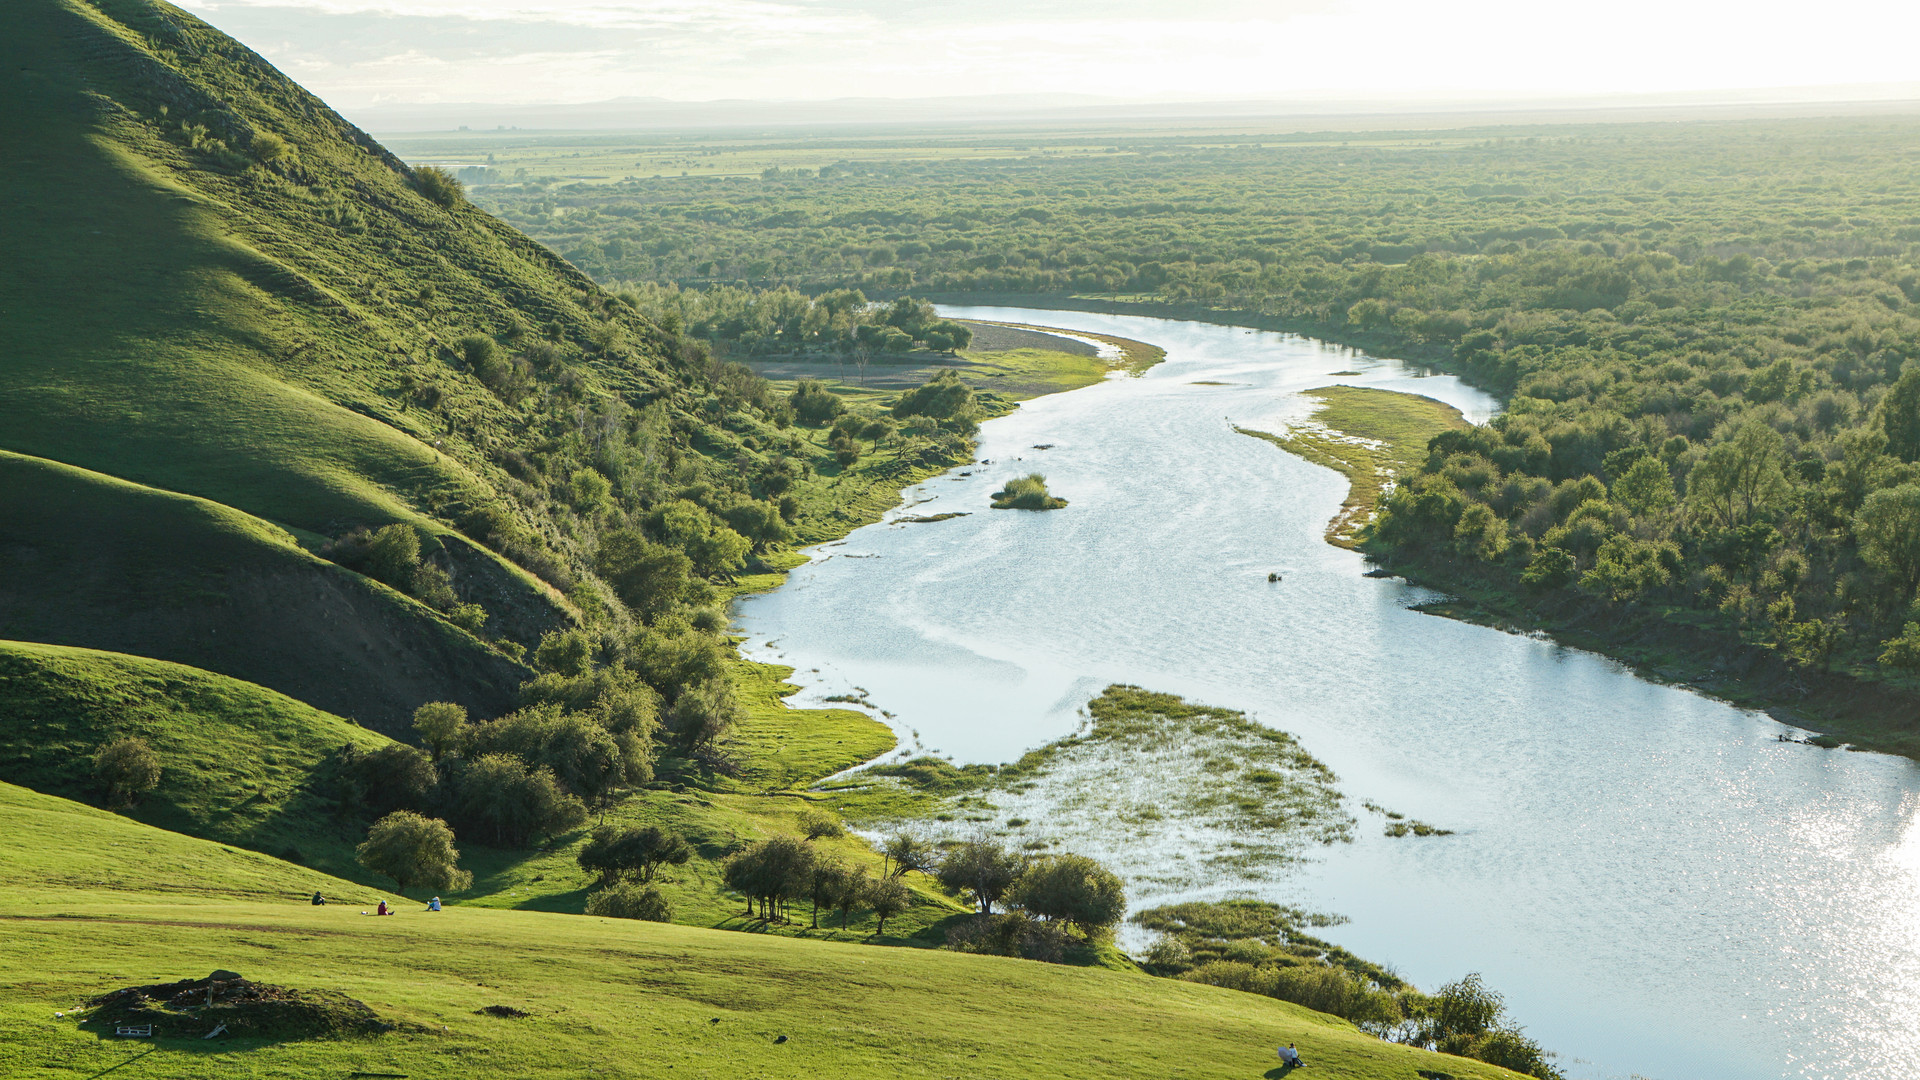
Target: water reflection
[{"x": 1659, "y": 884}]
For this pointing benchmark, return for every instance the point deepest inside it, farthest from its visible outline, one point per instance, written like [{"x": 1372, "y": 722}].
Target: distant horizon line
[{"x": 651, "y": 111}]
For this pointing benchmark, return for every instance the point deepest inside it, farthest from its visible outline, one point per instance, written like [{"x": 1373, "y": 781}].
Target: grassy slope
[
  {"x": 237, "y": 760},
  {"x": 92, "y": 902},
  {"x": 1370, "y": 436},
  {"x": 177, "y": 320},
  {"x": 92, "y": 561}
]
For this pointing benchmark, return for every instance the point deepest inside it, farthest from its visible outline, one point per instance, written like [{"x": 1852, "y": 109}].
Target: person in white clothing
[{"x": 1290, "y": 1056}]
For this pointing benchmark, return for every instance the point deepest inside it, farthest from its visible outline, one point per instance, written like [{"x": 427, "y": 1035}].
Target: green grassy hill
[
  {"x": 215, "y": 286},
  {"x": 93, "y": 902},
  {"x": 240, "y": 764},
  {"x": 92, "y": 561}
]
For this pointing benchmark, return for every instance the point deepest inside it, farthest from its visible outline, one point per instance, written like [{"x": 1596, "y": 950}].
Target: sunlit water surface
[{"x": 1659, "y": 885}]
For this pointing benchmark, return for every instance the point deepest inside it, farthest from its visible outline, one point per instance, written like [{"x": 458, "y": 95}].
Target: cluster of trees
[
  {"x": 589, "y": 728},
  {"x": 1040, "y": 898},
  {"x": 783, "y": 321},
  {"x": 781, "y": 871},
  {"x": 1263, "y": 948},
  {"x": 625, "y": 862}
]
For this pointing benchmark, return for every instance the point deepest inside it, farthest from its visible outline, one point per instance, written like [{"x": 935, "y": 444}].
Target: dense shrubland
[{"x": 1702, "y": 331}]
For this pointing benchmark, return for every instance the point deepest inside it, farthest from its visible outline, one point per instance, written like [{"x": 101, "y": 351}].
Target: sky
[{"x": 361, "y": 53}]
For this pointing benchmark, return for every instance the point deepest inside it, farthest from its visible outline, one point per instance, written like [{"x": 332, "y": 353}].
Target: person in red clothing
[{"x": 383, "y": 909}]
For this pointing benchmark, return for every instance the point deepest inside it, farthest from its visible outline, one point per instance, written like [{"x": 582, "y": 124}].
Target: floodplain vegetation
[{"x": 1727, "y": 307}]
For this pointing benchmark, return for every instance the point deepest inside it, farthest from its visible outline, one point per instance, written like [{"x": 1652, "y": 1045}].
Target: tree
[
  {"x": 509, "y": 803},
  {"x": 906, "y": 853},
  {"x": 1624, "y": 568},
  {"x": 438, "y": 723},
  {"x": 1900, "y": 415},
  {"x": 614, "y": 854},
  {"x": 1551, "y": 568},
  {"x": 565, "y": 652},
  {"x": 1888, "y": 529},
  {"x": 983, "y": 869},
  {"x": 1740, "y": 477},
  {"x": 702, "y": 714},
  {"x": 1072, "y": 889},
  {"x": 1903, "y": 651},
  {"x": 128, "y": 768},
  {"x": 886, "y": 898},
  {"x": 414, "y": 850},
  {"x": 830, "y": 878},
  {"x": 651, "y": 579},
  {"x": 1468, "y": 1007},
  {"x": 851, "y": 892},
  {"x": 629, "y": 901},
  {"x": 1645, "y": 490},
  {"x": 714, "y": 548}
]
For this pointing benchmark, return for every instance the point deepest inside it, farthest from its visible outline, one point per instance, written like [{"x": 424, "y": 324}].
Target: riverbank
[
  {"x": 1678, "y": 647},
  {"x": 1370, "y": 436},
  {"x": 1007, "y": 362}
]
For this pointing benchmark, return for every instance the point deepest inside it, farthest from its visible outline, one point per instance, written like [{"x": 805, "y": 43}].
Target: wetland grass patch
[{"x": 1170, "y": 794}]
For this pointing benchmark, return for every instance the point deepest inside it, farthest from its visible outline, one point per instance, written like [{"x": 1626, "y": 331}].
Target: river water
[{"x": 1660, "y": 886}]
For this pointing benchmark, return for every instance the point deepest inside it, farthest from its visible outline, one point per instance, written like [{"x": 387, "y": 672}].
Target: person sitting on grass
[
  {"x": 433, "y": 904},
  {"x": 318, "y": 900},
  {"x": 1291, "y": 1057},
  {"x": 383, "y": 909}
]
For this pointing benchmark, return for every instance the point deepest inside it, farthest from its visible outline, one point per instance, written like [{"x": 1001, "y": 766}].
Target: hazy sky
[{"x": 357, "y": 53}]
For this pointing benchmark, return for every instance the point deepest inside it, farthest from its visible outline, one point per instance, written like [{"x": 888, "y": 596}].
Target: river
[{"x": 1660, "y": 885}]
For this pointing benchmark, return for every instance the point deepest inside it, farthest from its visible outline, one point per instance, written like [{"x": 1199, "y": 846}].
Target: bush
[
  {"x": 587, "y": 759},
  {"x": 820, "y": 824},
  {"x": 268, "y": 148},
  {"x": 1028, "y": 492},
  {"x": 440, "y": 187},
  {"x": 414, "y": 850},
  {"x": 614, "y": 854},
  {"x": 1071, "y": 889},
  {"x": 629, "y": 901},
  {"x": 814, "y": 404},
  {"x": 943, "y": 397},
  {"x": 128, "y": 769},
  {"x": 651, "y": 579},
  {"x": 1010, "y": 935},
  {"x": 377, "y": 782},
  {"x": 564, "y": 652},
  {"x": 502, "y": 800},
  {"x": 392, "y": 556}
]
